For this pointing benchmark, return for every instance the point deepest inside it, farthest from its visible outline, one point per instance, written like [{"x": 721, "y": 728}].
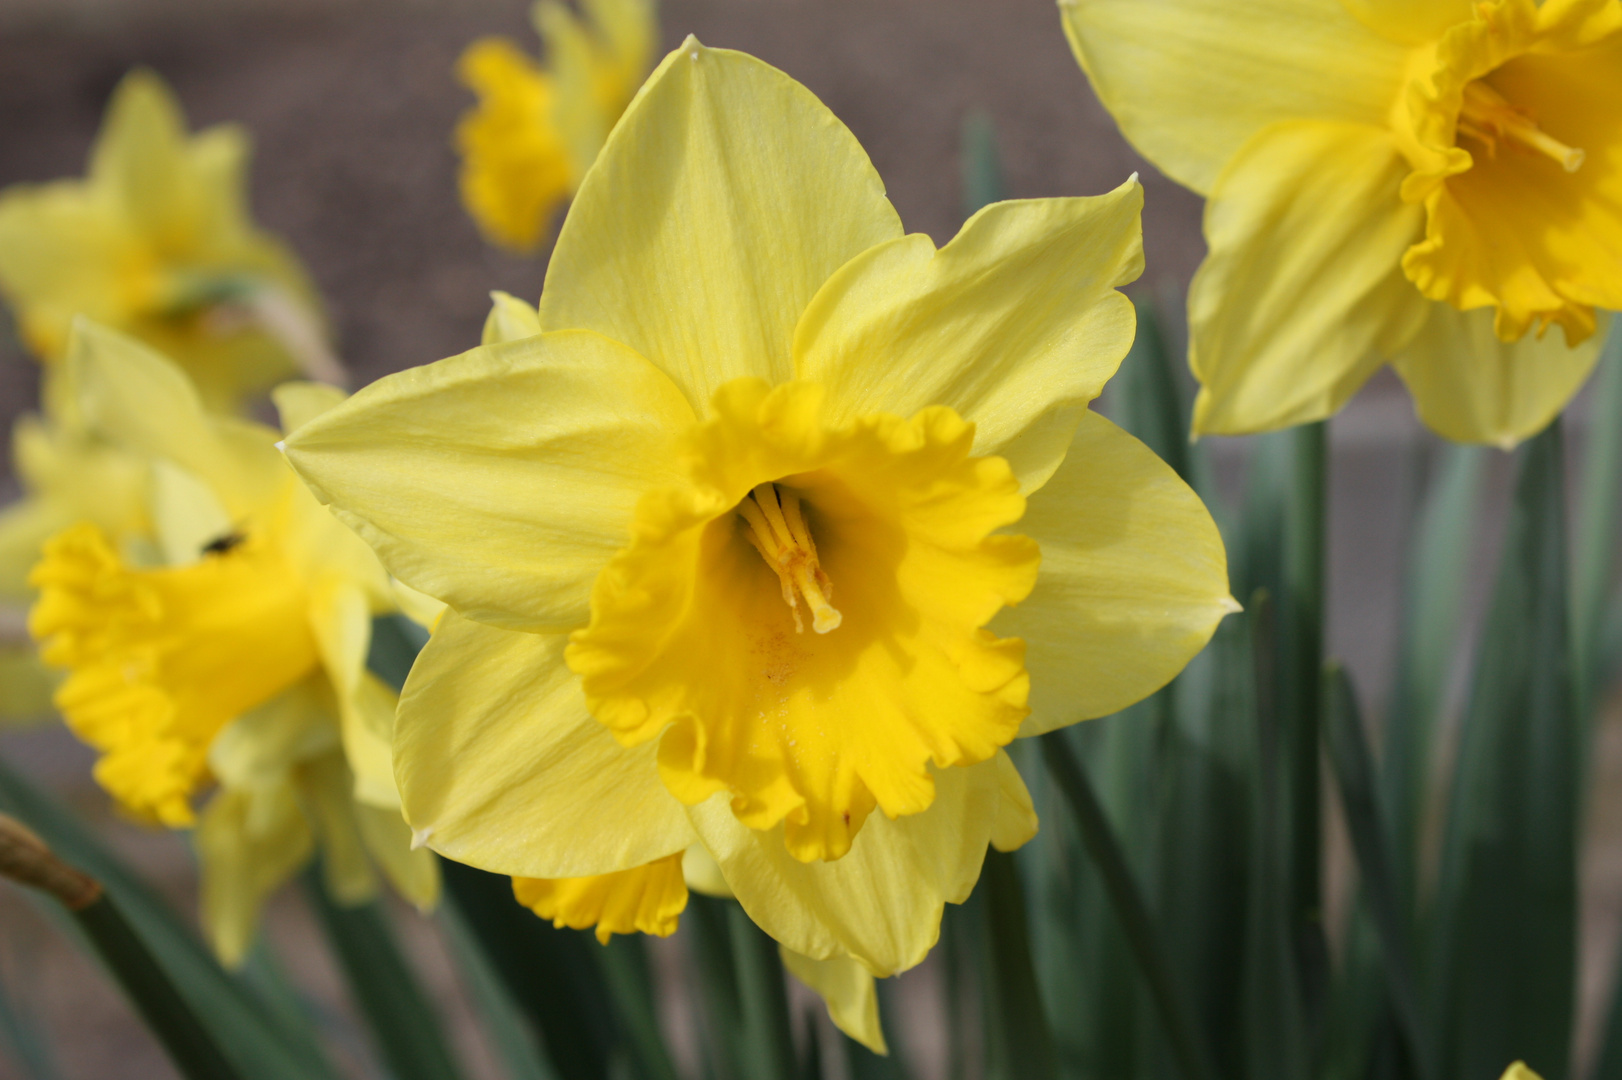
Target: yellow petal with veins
[
  {"x": 847, "y": 989},
  {"x": 1015, "y": 320},
  {"x": 1190, "y": 81},
  {"x": 689, "y": 241}
]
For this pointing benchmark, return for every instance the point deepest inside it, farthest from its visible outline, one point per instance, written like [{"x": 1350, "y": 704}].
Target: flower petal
[
  {"x": 1016, "y": 824},
  {"x": 510, "y": 319},
  {"x": 644, "y": 899},
  {"x": 721, "y": 202},
  {"x": 1190, "y": 81},
  {"x": 1018, "y": 317},
  {"x": 881, "y": 903},
  {"x": 846, "y": 987},
  {"x": 1303, "y": 288},
  {"x": 501, "y": 480},
  {"x": 248, "y": 843},
  {"x": 1411, "y": 22},
  {"x": 297, "y": 403},
  {"x": 1470, "y": 386},
  {"x": 501, "y": 767},
  {"x": 1133, "y": 583},
  {"x": 414, "y": 872}
]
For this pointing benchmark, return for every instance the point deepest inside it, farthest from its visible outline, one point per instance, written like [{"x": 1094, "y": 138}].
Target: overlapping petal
[
  {"x": 1471, "y": 386},
  {"x": 538, "y": 789},
  {"x": 501, "y": 480},
  {"x": 1303, "y": 289},
  {"x": 1015, "y": 320},
  {"x": 1133, "y": 582},
  {"x": 722, "y": 201},
  {"x": 1191, "y": 81}
]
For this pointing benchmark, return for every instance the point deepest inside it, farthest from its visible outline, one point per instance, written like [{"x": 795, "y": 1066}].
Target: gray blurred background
[{"x": 351, "y": 104}]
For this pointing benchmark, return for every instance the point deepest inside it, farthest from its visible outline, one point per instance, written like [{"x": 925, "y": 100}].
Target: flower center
[
  {"x": 1487, "y": 117},
  {"x": 778, "y": 531}
]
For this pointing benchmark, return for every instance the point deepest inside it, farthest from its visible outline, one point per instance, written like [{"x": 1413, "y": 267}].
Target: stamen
[
  {"x": 1487, "y": 116},
  {"x": 777, "y": 529}
]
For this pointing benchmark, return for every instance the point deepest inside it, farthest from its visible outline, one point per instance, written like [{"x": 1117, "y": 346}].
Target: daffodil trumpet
[
  {"x": 220, "y": 657},
  {"x": 1433, "y": 184},
  {"x": 785, "y": 518}
]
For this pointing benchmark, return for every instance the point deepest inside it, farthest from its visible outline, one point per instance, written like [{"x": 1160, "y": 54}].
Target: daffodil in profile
[
  {"x": 222, "y": 661},
  {"x": 156, "y": 241},
  {"x": 1433, "y": 184},
  {"x": 536, "y": 129},
  {"x": 770, "y": 530}
]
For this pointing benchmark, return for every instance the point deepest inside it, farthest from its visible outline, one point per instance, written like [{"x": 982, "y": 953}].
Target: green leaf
[
  {"x": 550, "y": 973},
  {"x": 510, "y": 1034},
  {"x": 259, "y": 1042},
  {"x": 1354, "y": 775},
  {"x": 1145, "y": 396},
  {"x": 1435, "y": 577},
  {"x": 981, "y": 163},
  {"x": 1019, "y": 1044},
  {"x": 1506, "y": 902},
  {"x": 403, "y": 1023},
  {"x": 767, "y": 1044},
  {"x": 1192, "y": 1056},
  {"x": 29, "y": 1052},
  {"x": 625, "y": 967},
  {"x": 704, "y": 924},
  {"x": 1593, "y": 571}
]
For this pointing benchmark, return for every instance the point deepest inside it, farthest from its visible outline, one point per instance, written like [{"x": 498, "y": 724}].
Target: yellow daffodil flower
[
  {"x": 231, "y": 648},
  {"x": 1519, "y": 1071},
  {"x": 536, "y": 130},
  {"x": 731, "y": 550},
  {"x": 1426, "y": 183},
  {"x": 156, "y": 241}
]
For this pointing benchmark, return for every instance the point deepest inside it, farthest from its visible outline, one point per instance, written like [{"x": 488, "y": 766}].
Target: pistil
[
  {"x": 1487, "y": 116},
  {"x": 778, "y": 531}
]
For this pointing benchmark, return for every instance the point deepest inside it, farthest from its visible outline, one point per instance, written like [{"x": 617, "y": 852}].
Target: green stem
[
  {"x": 762, "y": 1000},
  {"x": 407, "y": 1030},
  {"x": 1300, "y": 700},
  {"x": 1193, "y": 1057},
  {"x": 1022, "y": 1044}
]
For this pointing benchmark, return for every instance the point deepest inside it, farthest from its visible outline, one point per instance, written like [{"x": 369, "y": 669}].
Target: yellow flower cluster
[{"x": 753, "y": 546}]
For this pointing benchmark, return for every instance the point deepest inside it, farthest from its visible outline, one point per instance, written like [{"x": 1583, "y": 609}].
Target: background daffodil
[
  {"x": 536, "y": 130},
  {"x": 231, "y": 649},
  {"x": 156, "y": 241},
  {"x": 730, "y": 550},
  {"x": 1432, "y": 184}
]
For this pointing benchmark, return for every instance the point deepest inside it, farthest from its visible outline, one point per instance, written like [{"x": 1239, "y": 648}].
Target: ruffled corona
[
  {"x": 1514, "y": 130},
  {"x": 823, "y": 721},
  {"x": 161, "y": 660},
  {"x": 645, "y": 899}
]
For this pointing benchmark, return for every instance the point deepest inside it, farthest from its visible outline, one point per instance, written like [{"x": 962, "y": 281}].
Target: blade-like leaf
[
  {"x": 766, "y": 1044},
  {"x": 510, "y": 1035},
  {"x": 981, "y": 163},
  {"x": 1436, "y": 574},
  {"x": 1019, "y": 1043},
  {"x": 625, "y": 969},
  {"x": 1593, "y": 570},
  {"x": 403, "y": 1022},
  {"x": 254, "y": 1038},
  {"x": 25, "y": 1046},
  {"x": 1365, "y": 820},
  {"x": 1506, "y": 903}
]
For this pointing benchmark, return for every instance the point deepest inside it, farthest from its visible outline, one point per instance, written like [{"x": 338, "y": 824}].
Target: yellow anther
[
  {"x": 1487, "y": 116},
  {"x": 777, "y": 529}
]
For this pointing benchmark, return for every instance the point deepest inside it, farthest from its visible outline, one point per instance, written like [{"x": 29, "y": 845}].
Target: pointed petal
[
  {"x": 1133, "y": 583},
  {"x": 414, "y": 872},
  {"x": 327, "y": 788},
  {"x": 1303, "y": 289},
  {"x": 882, "y": 902},
  {"x": 510, "y": 319},
  {"x": 721, "y": 202},
  {"x": 297, "y": 403},
  {"x": 502, "y": 480},
  {"x": 1471, "y": 387},
  {"x": 846, "y": 987},
  {"x": 501, "y": 767},
  {"x": 1190, "y": 81},
  {"x": 1016, "y": 822},
  {"x": 1018, "y": 317}
]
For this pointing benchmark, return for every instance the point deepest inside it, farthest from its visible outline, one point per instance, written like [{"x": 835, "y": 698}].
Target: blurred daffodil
[
  {"x": 731, "y": 550},
  {"x": 156, "y": 241},
  {"x": 231, "y": 648},
  {"x": 536, "y": 130},
  {"x": 1427, "y": 183}
]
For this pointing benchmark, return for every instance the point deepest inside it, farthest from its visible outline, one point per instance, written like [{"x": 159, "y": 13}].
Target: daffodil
[
  {"x": 156, "y": 241},
  {"x": 1433, "y": 184},
  {"x": 536, "y": 130},
  {"x": 1519, "y": 1071},
  {"x": 229, "y": 650},
  {"x": 733, "y": 533}
]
